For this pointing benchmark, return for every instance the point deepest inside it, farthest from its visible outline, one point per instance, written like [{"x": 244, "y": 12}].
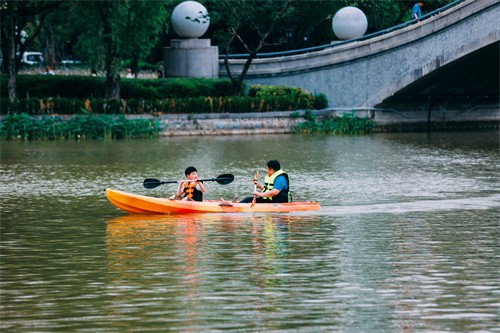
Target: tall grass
[{"x": 79, "y": 127}]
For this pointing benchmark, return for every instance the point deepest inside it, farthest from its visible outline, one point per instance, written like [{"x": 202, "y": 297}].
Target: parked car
[{"x": 32, "y": 58}]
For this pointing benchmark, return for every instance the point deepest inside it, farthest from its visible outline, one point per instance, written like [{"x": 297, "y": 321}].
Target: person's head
[
  {"x": 273, "y": 166},
  {"x": 420, "y": 3},
  {"x": 190, "y": 171}
]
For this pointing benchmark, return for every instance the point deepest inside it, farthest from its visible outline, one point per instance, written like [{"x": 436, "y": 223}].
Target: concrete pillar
[{"x": 191, "y": 58}]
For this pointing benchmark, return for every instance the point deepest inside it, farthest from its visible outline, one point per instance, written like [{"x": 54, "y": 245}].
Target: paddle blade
[
  {"x": 225, "y": 179},
  {"x": 152, "y": 183}
]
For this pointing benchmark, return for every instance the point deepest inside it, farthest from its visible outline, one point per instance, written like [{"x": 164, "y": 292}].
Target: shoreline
[{"x": 281, "y": 122}]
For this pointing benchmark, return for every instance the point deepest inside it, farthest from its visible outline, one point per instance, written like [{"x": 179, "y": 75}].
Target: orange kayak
[{"x": 140, "y": 204}]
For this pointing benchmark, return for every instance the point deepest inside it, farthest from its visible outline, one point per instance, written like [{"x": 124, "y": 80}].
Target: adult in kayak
[
  {"x": 190, "y": 189},
  {"x": 276, "y": 186}
]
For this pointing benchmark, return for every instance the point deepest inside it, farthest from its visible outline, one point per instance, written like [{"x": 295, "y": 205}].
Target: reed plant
[
  {"x": 348, "y": 124},
  {"x": 79, "y": 127}
]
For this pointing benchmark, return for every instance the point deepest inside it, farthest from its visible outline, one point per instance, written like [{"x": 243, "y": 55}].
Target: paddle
[
  {"x": 255, "y": 188},
  {"x": 222, "y": 179}
]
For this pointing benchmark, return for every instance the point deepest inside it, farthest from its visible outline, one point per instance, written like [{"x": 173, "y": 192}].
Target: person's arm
[
  {"x": 201, "y": 186},
  {"x": 279, "y": 184},
  {"x": 180, "y": 188},
  {"x": 267, "y": 194}
]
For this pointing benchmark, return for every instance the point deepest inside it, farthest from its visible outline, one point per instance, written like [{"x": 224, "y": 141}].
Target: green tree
[
  {"x": 144, "y": 22},
  {"x": 15, "y": 17},
  {"x": 118, "y": 30},
  {"x": 125, "y": 28},
  {"x": 113, "y": 26},
  {"x": 60, "y": 33},
  {"x": 251, "y": 26},
  {"x": 309, "y": 23}
]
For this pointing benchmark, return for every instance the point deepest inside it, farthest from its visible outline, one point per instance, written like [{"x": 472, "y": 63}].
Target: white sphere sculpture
[
  {"x": 349, "y": 22},
  {"x": 190, "y": 19}
]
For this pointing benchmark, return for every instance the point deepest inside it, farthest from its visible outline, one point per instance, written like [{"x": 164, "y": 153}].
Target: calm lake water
[{"x": 407, "y": 238}]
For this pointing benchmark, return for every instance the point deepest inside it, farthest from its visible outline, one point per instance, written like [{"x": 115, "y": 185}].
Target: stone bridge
[{"x": 449, "y": 57}]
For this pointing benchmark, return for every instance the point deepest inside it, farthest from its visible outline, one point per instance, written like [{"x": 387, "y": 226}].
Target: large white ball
[
  {"x": 190, "y": 19},
  {"x": 349, "y": 22}
]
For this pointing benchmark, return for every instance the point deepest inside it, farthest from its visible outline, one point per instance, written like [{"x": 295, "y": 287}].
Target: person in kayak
[
  {"x": 190, "y": 189},
  {"x": 276, "y": 186}
]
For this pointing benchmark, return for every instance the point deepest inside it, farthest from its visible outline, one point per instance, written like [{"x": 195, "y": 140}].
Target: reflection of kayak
[{"x": 140, "y": 204}]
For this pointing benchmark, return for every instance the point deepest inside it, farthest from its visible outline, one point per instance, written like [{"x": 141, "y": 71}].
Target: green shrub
[
  {"x": 320, "y": 102},
  {"x": 303, "y": 98},
  {"x": 82, "y": 87},
  {"x": 143, "y": 65},
  {"x": 45, "y": 86},
  {"x": 345, "y": 124},
  {"x": 48, "y": 94},
  {"x": 222, "y": 104}
]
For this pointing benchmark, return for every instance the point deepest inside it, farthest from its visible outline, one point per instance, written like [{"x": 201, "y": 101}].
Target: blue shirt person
[
  {"x": 276, "y": 186},
  {"x": 416, "y": 12},
  {"x": 280, "y": 184}
]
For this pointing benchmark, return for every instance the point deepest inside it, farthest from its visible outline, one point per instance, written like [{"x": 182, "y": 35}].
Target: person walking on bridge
[{"x": 416, "y": 12}]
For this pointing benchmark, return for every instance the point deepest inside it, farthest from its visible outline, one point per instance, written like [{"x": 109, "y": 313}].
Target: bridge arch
[{"x": 364, "y": 73}]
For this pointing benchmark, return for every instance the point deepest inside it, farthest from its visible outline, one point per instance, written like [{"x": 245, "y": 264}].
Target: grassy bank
[{"x": 79, "y": 127}]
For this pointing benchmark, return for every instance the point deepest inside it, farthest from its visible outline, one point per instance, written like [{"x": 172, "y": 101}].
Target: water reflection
[
  {"x": 187, "y": 236},
  {"x": 197, "y": 260}
]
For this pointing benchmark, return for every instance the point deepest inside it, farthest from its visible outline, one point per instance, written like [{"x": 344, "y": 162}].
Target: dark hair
[
  {"x": 274, "y": 164},
  {"x": 189, "y": 170}
]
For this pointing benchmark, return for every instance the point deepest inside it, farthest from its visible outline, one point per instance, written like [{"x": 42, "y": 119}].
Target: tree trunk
[
  {"x": 237, "y": 81},
  {"x": 241, "y": 78},
  {"x": 112, "y": 90},
  {"x": 50, "y": 56},
  {"x": 13, "y": 18},
  {"x": 134, "y": 64},
  {"x": 112, "y": 61},
  {"x": 10, "y": 57}
]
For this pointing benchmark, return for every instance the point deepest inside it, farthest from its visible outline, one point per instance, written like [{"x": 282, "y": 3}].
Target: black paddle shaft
[{"x": 222, "y": 179}]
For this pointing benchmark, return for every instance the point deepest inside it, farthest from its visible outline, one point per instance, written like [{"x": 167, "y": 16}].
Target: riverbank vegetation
[
  {"x": 25, "y": 127},
  {"x": 344, "y": 124},
  {"x": 42, "y": 94}
]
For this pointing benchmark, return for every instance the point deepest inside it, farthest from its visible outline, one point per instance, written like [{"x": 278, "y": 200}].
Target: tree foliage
[
  {"x": 105, "y": 33},
  {"x": 15, "y": 17},
  {"x": 102, "y": 32},
  {"x": 252, "y": 27}
]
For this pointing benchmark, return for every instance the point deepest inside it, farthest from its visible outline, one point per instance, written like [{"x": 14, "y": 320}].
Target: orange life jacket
[{"x": 191, "y": 192}]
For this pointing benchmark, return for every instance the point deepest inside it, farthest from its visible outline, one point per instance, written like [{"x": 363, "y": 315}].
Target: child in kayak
[{"x": 190, "y": 189}]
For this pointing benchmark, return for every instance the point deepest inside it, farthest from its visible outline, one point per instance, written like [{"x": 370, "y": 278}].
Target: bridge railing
[{"x": 337, "y": 43}]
